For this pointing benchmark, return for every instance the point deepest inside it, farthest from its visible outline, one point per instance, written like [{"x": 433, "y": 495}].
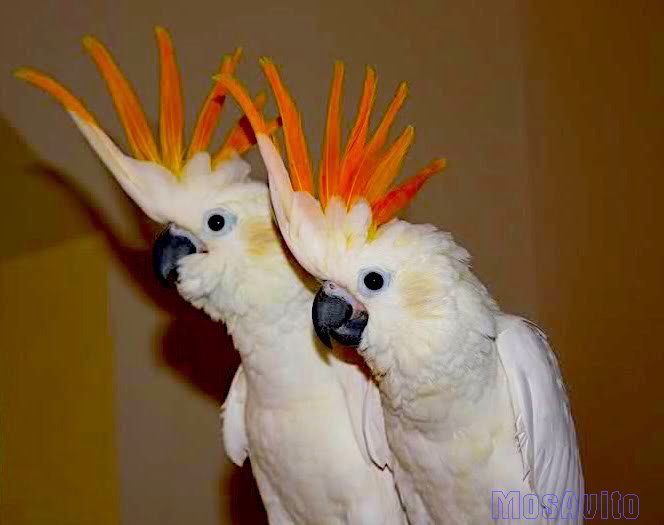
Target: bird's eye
[
  {"x": 372, "y": 281},
  {"x": 218, "y": 222}
]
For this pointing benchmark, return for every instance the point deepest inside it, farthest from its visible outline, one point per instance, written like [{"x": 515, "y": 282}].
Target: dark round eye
[
  {"x": 216, "y": 222},
  {"x": 374, "y": 281}
]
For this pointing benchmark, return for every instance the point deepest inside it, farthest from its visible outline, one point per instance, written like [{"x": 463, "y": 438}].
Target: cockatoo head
[
  {"x": 218, "y": 244},
  {"x": 378, "y": 273}
]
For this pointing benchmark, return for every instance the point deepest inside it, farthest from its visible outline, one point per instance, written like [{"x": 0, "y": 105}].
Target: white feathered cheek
[
  {"x": 199, "y": 271},
  {"x": 197, "y": 277}
]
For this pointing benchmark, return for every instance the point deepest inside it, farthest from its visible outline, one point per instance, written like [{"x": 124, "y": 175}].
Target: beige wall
[
  {"x": 56, "y": 388},
  {"x": 543, "y": 188},
  {"x": 595, "y": 131}
]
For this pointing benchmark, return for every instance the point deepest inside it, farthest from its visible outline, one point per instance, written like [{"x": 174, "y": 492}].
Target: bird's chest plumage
[
  {"x": 446, "y": 469},
  {"x": 307, "y": 455},
  {"x": 303, "y": 430},
  {"x": 303, "y": 448}
]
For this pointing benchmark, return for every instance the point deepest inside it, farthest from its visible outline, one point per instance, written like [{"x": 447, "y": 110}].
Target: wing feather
[
  {"x": 232, "y": 417},
  {"x": 374, "y": 428},
  {"x": 544, "y": 427},
  {"x": 365, "y": 409}
]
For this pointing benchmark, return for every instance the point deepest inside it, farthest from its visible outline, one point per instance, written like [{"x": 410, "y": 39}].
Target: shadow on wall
[{"x": 198, "y": 350}]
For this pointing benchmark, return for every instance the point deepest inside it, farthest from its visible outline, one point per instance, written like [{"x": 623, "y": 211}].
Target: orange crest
[
  {"x": 367, "y": 167},
  {"x": 170, "y": 153}
]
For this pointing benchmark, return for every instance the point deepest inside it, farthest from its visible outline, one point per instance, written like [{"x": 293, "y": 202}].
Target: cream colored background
[{"x": 551, "y": 117}]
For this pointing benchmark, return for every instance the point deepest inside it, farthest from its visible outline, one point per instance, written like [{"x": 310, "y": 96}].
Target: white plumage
[
  {"x": 474, "y": 404},
  {"x": 294, "y": 410},
  {"x": 544, "y": 426},
  {"x": 472, "y": 399}
]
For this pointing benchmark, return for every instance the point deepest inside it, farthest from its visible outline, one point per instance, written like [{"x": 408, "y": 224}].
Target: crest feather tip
[
  {"x": 56, "y": 90},
  {"x": 90, "y": 42},
  {"x": 22, "y": 73},
  {"x": 440, "y": 164},
  {"x": 163, "y": 36}
]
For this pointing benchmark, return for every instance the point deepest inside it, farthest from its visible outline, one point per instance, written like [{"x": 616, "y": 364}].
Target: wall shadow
[{"x": 198, "y": 350}]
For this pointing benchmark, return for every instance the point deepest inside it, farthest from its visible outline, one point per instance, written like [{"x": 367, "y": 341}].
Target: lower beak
[
  {"x": 338, "y": 315},
  {"x": 171, "y": 245}
]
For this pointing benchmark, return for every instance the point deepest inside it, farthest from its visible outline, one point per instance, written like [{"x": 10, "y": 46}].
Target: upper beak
[
  {"x": 171, "y": 245},
  {"x": 337, "y": 314}
]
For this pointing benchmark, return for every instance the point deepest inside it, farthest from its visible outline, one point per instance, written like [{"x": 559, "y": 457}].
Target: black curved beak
[
  {"x": 171, "y": 245},
  {"x": 337, "y": 315}
]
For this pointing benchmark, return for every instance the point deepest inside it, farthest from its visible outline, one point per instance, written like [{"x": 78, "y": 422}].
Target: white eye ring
[
  {"x": 373, "y": 281},
  {"x": 219, "y": 222}
]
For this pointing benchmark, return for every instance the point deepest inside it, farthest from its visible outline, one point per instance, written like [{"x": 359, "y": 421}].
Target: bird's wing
[
  {"x": 544, "y": 426},
  {"x": 374, "y": 427},
  {"x": 365, "y": 410},
  {"x": 232, "y": 415}
]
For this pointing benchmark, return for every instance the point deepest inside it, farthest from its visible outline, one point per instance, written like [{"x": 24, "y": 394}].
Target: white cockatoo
[
  {"x": 476, "y": 416},
  {"x": 293, "y": 409}
]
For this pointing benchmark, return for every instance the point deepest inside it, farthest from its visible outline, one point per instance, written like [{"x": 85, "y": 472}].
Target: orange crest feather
[
  {"x": 331, "y": 156},
  {"x": 57, "y": 91},
  {"x": 367, "y": 169},
  {"x": 214, "y": 103},
  {"x": 388, "y": 206},
  {"x": 242, "y": 136},
  {"x": 171, "y": 122},
  {"x": 171, "y": 115},
  {"x": 296, "y": 144},
  {"x": 126, "y": 103}
]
